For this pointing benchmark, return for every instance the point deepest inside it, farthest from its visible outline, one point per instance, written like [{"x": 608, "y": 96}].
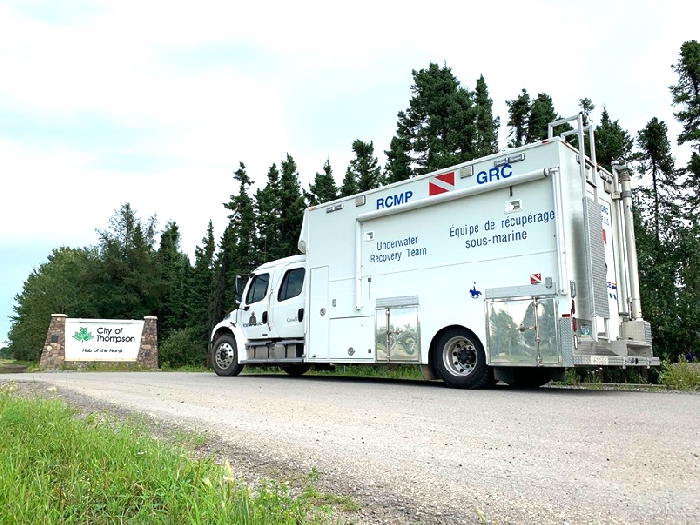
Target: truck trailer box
[{"x": 514, "y": 266}]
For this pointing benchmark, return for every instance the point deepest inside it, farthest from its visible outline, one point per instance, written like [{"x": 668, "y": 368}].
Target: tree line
[{"x": 137, "y": 270}]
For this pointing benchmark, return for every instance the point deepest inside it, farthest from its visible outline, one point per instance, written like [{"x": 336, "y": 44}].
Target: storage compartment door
[
  {"x": 317, "y": 334},
  {"x": 352, "y": 338},
  {"x": 523, "y": 331},
  {"x": 398, "y": 330}
]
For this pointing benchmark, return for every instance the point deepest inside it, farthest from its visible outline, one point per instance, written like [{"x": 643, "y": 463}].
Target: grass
[
  {"x": 58, "y": 468},
  {"x": 186, "y": 368},
  {"x": 680, "y": 376},
  {"x": 8, "y": 365},
  {"x": 482, "y": 517},
  {"x": 326, "y": 500}
]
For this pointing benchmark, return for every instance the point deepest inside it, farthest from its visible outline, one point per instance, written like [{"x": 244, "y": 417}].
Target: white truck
[{"x": 512, "y": 267}]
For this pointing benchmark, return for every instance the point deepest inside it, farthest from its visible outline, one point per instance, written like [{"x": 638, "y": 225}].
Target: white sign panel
[{"x": 102, "y": 340}]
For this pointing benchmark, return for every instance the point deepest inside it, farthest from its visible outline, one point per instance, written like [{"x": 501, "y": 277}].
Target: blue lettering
[
  {"x": 394, "y": 200},
  {"x": 494, "y": 174}
]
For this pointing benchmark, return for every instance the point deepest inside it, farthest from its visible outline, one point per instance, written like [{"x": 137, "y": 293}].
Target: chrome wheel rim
[
  {"x": 224, "y": 356},
  {"x": 459, "y": 356}
]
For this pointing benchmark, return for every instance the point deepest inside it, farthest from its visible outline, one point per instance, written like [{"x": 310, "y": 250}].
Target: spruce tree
[
  {"x": 486, "y": 125},
  {"x": 349, "y": 186},
  {"x": 686, "y": 96},
  {"x": 611, "y": 141},
  {"x": 656, "y": 161},
  {"x": 219, "y": 303},
  {"x": 658, "y": 272},
  {"x": 364, "y": 168},
  {"x": 202, "y": 282},
  {"x": 292, "y": 205},
  {"x": 686, "y": 93},
  {"x": 324, "y": 188},
  {"x": 438, "y": 129},
  {"x": 242, "y": 220},
  {"x": 587, "y": 107},
  {"x": 237, "y": 255},
  {"x": 174, "y": 268},
  {"x": 267, "y": 211},
  {"x": 127, "y": 284},
  {"x": 398, "y": 164},
  {"x": 518, "y": 116},
  {"x": 541, "y": 114}
]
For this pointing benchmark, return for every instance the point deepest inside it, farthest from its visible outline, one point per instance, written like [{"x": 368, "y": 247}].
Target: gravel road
[{"x": 413, "y": 452}]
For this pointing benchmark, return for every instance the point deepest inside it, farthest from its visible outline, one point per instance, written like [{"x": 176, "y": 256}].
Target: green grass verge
[
  {"x": 58, "y": 468},
  {"x": 680, "y": 376},
  {"x": 7, "y": 365}
]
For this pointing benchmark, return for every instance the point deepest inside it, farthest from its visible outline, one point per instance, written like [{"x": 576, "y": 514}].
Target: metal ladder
[{"x": 595, "y": 252}]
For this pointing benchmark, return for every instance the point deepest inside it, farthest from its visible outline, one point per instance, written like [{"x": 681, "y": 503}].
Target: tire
[
  {"x": 460, "y": 361},
  {"x": 530, "y": 379},
  {"x": 297, "y": 369},
  {"x": 224, "y": 356}
]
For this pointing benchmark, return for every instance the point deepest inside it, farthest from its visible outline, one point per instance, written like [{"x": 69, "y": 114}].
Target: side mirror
[{"x": 239, "y": 289}]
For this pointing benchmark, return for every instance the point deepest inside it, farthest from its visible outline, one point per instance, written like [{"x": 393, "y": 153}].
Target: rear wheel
[
  {"x": 297, "y": 369},
  {"x": 459, "y": 360},
  {"x": 224, "y": 356}
]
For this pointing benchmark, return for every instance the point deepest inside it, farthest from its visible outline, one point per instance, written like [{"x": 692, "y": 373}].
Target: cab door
[
  {"x": 254, "y": 310},
  {"x": 286, "y": 317}
]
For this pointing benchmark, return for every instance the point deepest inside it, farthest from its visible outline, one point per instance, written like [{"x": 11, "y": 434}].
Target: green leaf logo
[{"x": 82, "y": 335}]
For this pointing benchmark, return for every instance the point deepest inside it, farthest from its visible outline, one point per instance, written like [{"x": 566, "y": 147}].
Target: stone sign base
[{"x": 53, "y": 356}]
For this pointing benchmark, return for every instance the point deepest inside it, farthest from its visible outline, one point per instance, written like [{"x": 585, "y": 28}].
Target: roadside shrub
[
  {"x": 182, "y": 348},
  {"x": 681, "y": 375}
]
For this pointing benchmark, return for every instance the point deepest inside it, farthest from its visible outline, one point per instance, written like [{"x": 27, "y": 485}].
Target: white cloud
[{"x": 155, "y": 103}]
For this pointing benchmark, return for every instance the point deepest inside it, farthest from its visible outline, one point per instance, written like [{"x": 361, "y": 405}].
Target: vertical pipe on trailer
[
  {"x": 562, "y": 280},
  {"x": 581, "y": 156},
  {"x": 591, "y": 139},
  {"x": 620, "y": 245},
  {"x": 358, "y": 265},
  {"x": 630, "y": 244}
]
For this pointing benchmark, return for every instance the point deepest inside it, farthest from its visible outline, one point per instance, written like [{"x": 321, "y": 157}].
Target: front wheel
[
  {"x": 459, "y": 360},
  {"x": 224, "y": 356}
]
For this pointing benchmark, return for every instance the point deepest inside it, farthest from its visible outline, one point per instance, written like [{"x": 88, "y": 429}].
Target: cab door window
[
  {"x": 292, "y": 283},
  {"x": 258, "y": 288}
]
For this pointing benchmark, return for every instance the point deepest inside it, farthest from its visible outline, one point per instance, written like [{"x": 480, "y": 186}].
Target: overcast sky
[{"x": 156, "y": 103}]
